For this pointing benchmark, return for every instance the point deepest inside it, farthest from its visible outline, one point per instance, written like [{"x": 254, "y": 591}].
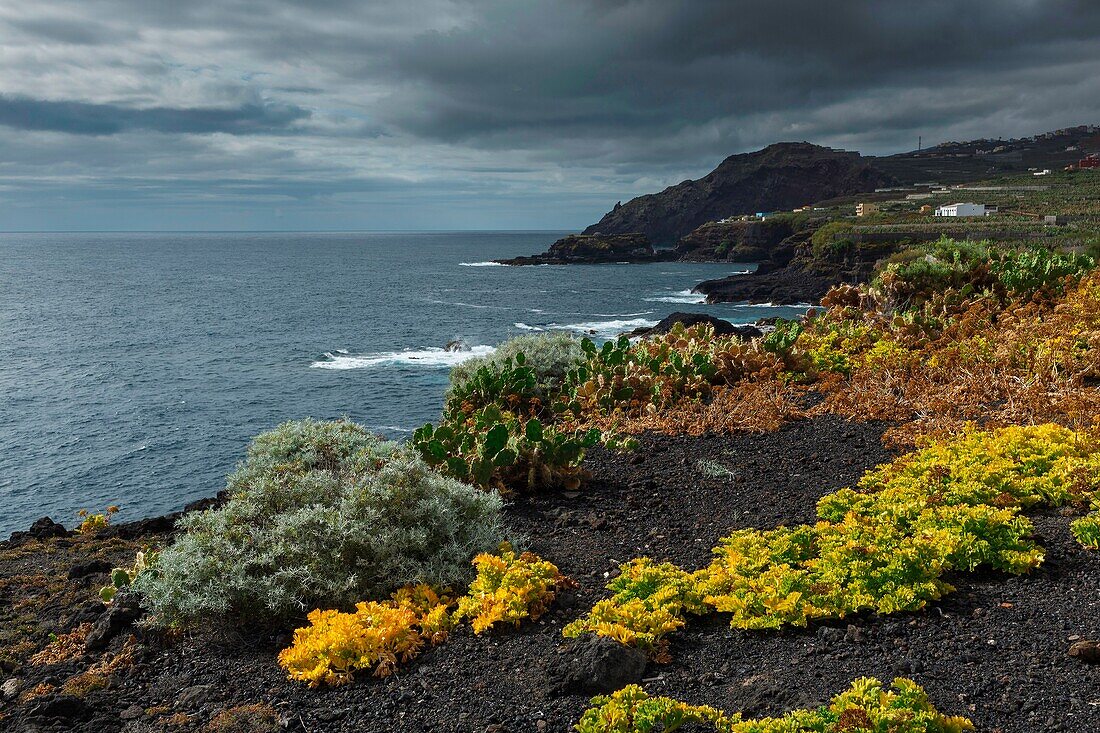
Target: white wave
[
  {"x": 482, "y": 264},
  {"x": 433, "y": 358},
  {"x": 525, "y": 327},
  {"x": 462, "y": 305},
  {"x": 682, "y": 296},
  {"x": 609, "y": 328}
]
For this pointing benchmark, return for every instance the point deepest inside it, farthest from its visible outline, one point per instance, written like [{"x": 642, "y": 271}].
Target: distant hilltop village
[{"x": 1064, "y": 132}]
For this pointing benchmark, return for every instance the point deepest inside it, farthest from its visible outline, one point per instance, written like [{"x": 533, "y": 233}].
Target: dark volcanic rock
[
  {"x": 721, "y": 327},
  {"x": 92, "y": 567},
  {"x": 42, "y": 529},
  {"x": 734, "y": 241},
  {"x": 1086, "y": 651},
  {"x": 123, "y": 611},
  {"x": 64, "y": 707},
  {"x": 595, "y": 665},
  {"x": 795, "y": 275},
  {"x": 781, "y": 176},
  {"x": 786, "y": 286},
  {"x": 596, "y": 249}
]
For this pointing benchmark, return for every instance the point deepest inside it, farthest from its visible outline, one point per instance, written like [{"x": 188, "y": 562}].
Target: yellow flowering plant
[
  {"x": 91, "y": 523},
  {"x": 867, "y": 705},
  {"x": 376, "y": 637},
  {"x": 510, "y": 588},
  {"x": 648, "y": 602},
  {"x": 954, "y": 505}
]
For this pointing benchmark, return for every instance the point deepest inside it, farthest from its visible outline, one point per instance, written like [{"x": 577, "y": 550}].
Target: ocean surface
[{"x": 135, "y": 367}]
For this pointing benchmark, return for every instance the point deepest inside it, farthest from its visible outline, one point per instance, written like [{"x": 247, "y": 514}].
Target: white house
[{"x": 961, "y": 210}]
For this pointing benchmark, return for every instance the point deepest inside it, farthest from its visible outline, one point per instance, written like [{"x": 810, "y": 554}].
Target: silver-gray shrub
[
  {"x": 320, "y": 514},
  {"x": 551, "y": 355}
]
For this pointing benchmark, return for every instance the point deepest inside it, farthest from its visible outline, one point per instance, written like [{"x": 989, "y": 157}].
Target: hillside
[
  {"x": 781, "y": 176},
  {"x": 788, "y": 175}
]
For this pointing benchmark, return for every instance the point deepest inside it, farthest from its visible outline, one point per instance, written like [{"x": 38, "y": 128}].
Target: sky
[{"x": 489, "y": 114}]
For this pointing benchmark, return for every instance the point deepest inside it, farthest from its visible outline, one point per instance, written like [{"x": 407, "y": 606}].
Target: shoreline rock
[
  {"x": 721, "y": 327},
  {"x": 596, "y": 249}
]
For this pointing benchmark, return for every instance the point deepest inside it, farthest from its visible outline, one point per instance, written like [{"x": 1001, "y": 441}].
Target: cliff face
[
  {"x": 781, "y": 176},
  {"x": 735, "y": 241}
]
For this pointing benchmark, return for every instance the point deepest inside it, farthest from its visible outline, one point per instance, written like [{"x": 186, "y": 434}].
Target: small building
[
  {"x": 1091, "y": 161},
  {"x": 961, "y": 210},
  {"x": 866, "y": 208},
  {"x": 926, "y": 209}
]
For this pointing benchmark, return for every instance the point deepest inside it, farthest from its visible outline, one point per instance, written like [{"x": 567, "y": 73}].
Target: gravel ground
[{"x": 995, "y": 651}]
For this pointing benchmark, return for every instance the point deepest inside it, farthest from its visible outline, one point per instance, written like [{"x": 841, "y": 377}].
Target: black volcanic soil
[{"x": 994, "y": 651}]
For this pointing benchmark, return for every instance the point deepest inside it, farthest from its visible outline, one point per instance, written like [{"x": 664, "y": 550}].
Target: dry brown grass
[
  {"x": 64, "y": 647},
  {"x": 253, "y": 718},
  {"x": 746, "y": 407},
  {"x": 40, "y": 690},
  {"x": 83, "y": 684},
  {"x": 1032, "y": 362},
  {"x": 980, "y": 360}
]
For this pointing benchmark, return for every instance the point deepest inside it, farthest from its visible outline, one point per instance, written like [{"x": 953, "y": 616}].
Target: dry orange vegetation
[{"x": 956, "y": 360}]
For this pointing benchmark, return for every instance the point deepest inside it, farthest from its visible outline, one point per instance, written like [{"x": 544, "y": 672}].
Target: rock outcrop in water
[
  {"x": 590, "y": 249},
  {"x": 779, "y": 177},
  {"x": 793, "y": 274},
  {"x": 721, "y": 327}
]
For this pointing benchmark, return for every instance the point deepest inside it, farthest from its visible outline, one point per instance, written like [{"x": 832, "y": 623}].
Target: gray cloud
[
  {"x": 341, "y": 105},
  {"x": 82, "y": 118}
]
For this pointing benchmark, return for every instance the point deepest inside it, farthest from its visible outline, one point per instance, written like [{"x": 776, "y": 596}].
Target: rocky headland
[
  {"x": 779, "y": 177},
  {"x": 597, "y": 249}
]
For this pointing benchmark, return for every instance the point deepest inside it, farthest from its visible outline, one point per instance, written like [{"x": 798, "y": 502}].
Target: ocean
[{"x": 135, "y": 367}]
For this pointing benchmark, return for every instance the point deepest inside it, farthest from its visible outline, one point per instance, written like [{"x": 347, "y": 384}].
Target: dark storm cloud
[
  {"x": 81, "y": 118},
  {"x": 565, "y": 104},
  {"x": 607, "y": 69}
]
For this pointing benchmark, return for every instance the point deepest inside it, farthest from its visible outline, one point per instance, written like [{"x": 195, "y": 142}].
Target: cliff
[
  {"x": 781, "y": 176},
  {"x": 735, "y": 241}
]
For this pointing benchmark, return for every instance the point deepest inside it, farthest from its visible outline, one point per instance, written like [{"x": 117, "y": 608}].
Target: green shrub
[
  {"x": 320, "y": 513},
  {"x": 783, "y": 337},
  {"x": 498, "y": 430},
  {"x": 1030, "y": 270},
  {"x": 503, "y": 450},
  {"x": 550, "y": 356},
  {"x": 828, "y": 240},
  {"x": 969, "y": 268}
]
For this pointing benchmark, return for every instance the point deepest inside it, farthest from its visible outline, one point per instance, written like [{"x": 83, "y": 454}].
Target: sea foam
[
  {"x": 433, "y": 358},
  {"x": 682, "y": 296},
  {"x": 609, "y": 329}
]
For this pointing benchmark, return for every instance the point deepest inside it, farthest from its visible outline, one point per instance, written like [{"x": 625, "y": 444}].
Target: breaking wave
[
  {"x": 434, "y": 358},
  {"x": 682, "y": 296},
  {"x": 609, "y": 329}
]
